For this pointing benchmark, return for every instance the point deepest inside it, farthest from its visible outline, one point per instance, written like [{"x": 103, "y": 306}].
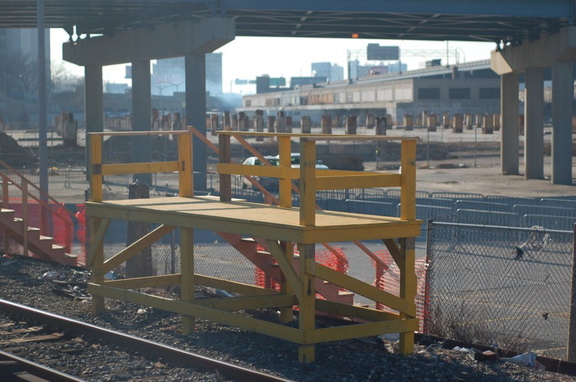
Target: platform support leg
[
  {"x": 286, "y": 313},
  {"x": 307, "y": 300},
  {"x": 187, "y": 272},
  {"x": 97, "y": 263},
  {"x": 407, "y": 288}
]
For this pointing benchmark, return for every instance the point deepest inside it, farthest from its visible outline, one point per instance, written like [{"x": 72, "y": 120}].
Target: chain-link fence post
[{"x": 571, "y": 356}]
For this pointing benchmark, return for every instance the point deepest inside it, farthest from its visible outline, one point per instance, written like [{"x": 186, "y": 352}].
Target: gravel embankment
[{"x": 355, "y": 360}]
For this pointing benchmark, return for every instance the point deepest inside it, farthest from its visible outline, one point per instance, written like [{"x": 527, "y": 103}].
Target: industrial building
[{"x": 470, "y": 88}]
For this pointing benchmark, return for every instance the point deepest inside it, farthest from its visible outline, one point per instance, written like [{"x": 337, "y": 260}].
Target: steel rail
[
  {"x": 169, "y": 354},
  {"x": 18, "y": 365}
]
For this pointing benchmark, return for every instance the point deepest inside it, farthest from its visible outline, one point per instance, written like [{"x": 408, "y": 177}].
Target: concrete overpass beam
[
  {"x": 175, "y": 39},
  {"x": 509, "y": 148},
  {"x": 540, "y": 53},
  {"x": 141, "y": 116},
  {"x": 562, "y": 97},
  {"x": 534, "y": 124}
]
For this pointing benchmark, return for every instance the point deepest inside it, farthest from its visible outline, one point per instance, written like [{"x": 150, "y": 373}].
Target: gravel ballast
[{"x": 368, "y": 359}]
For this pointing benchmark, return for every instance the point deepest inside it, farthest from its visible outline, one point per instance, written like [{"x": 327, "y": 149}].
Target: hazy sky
[{"x": 248, "y": 57}]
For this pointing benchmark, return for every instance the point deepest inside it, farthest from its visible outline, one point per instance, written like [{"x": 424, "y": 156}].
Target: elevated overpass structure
[{"x": 528, "y": 38}]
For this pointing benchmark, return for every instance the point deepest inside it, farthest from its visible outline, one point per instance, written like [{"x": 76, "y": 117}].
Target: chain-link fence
[{"x": 501, "y": 286}]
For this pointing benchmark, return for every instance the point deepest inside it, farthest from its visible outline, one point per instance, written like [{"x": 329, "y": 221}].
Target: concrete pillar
[
  {"x": 141, "y": 117},
  {"x": 259, "y": 124},
  {"x": 280, "y": 122},
  {"x": 227, "y": 122},
  {"x": 289, "y": 124},
  {"x": 458, "y": 123},
  {"x": 381, "y": 126},
  {"x": 432, "y": 122},
  {"x": 306, "y": 124},
  {"x": 509, "y": 139},
  {"x": 242, "y": 126},
  {"x": 389, "y": 120},
  {"x": 534, "y": 124},
  {"x": 351, "y": 124},
  {"x": 234, "y": 125},
  {"x": 408, "y": 122},
  {"x": 213, "y": 123},
  {"x": 487, "y": 125},
  {"x": 446, "y": 120},
  {"x": 195, "y": 69},
  {"x": 271, "y": 121},
  {"x": 562, "y": 97},
  {"x": 93, "y": 104},
  {"x": 326, "y": 124},
  {"x": 479, "y": 120},
  {"x": 496, "y": 121},
  {"x": 370, "y": 121},
  {"x": 468, "y": 121}
]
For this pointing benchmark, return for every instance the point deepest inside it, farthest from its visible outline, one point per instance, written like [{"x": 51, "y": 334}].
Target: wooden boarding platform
[{"x": 277, "y": 228}]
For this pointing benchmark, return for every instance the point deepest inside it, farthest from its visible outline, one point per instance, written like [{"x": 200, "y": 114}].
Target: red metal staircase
[{"x": 23, "y": 203}]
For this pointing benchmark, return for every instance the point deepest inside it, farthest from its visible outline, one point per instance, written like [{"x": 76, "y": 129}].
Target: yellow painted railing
[
  {"x": 183, "y": 165},
  {"x": 312, "y": 179}
]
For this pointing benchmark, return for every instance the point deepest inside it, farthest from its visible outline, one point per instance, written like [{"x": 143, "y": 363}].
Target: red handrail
[{"x": 47, "y": 209}]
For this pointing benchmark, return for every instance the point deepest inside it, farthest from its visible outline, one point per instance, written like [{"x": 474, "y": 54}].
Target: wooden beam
[
  {"x": 145, "y": 281},
  {"x": 136, "y": 247},
  {"x": 194, "y": 310},
  {"x": 362, "y": 330},
  {"x": 359, "y": 180},
  {"x": 232, "y": 304},
  {"x": 355, "y": 312},
  {"x": 285, "y": 266},
  {"x": 139, "y": 168},
  {"x": 100, "y": 226},
  {"x": 366, "y": 290}
]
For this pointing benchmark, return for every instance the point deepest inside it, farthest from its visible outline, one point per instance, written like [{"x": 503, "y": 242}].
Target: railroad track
[
  {"x": 14, "y": 368},
  {"x": 62, "y": 328}
]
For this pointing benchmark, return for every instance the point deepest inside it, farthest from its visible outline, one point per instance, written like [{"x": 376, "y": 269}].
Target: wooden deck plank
[{"x": 256, "y": 219}]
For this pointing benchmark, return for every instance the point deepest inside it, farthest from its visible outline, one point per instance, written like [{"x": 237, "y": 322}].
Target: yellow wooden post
[
  {"x": 307, "y": 182},
  {"x": 408, "y": 188},
  {"x": 187, "y": 271},
  {"x": 286, "y": 313},
  {"x": 407, "y": 288},
  {"x": 285, "y": 184},
  {"x": 185, "y": 170},
  {"x": 97, "y": 263},
  {"x": 225, "y": 157},
  {"x": 25, "y": 217},
  {"x": 95, "y": 169},
  {"x": 307, "y": 300}
]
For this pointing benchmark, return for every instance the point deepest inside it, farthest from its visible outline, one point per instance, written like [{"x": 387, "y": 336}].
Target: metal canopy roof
[{"x": 508, "y": 21}]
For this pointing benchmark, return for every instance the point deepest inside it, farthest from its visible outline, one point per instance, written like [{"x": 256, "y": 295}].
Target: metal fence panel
[
  {"x": 371, "y": 207},
  {"x": 522, "y": 210},
  {"x": 549, "y": 222},
  {"x": 487, "y": 217},
  {"x": 472, "y": 204},
  {"x": 507, "y": 287}
]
